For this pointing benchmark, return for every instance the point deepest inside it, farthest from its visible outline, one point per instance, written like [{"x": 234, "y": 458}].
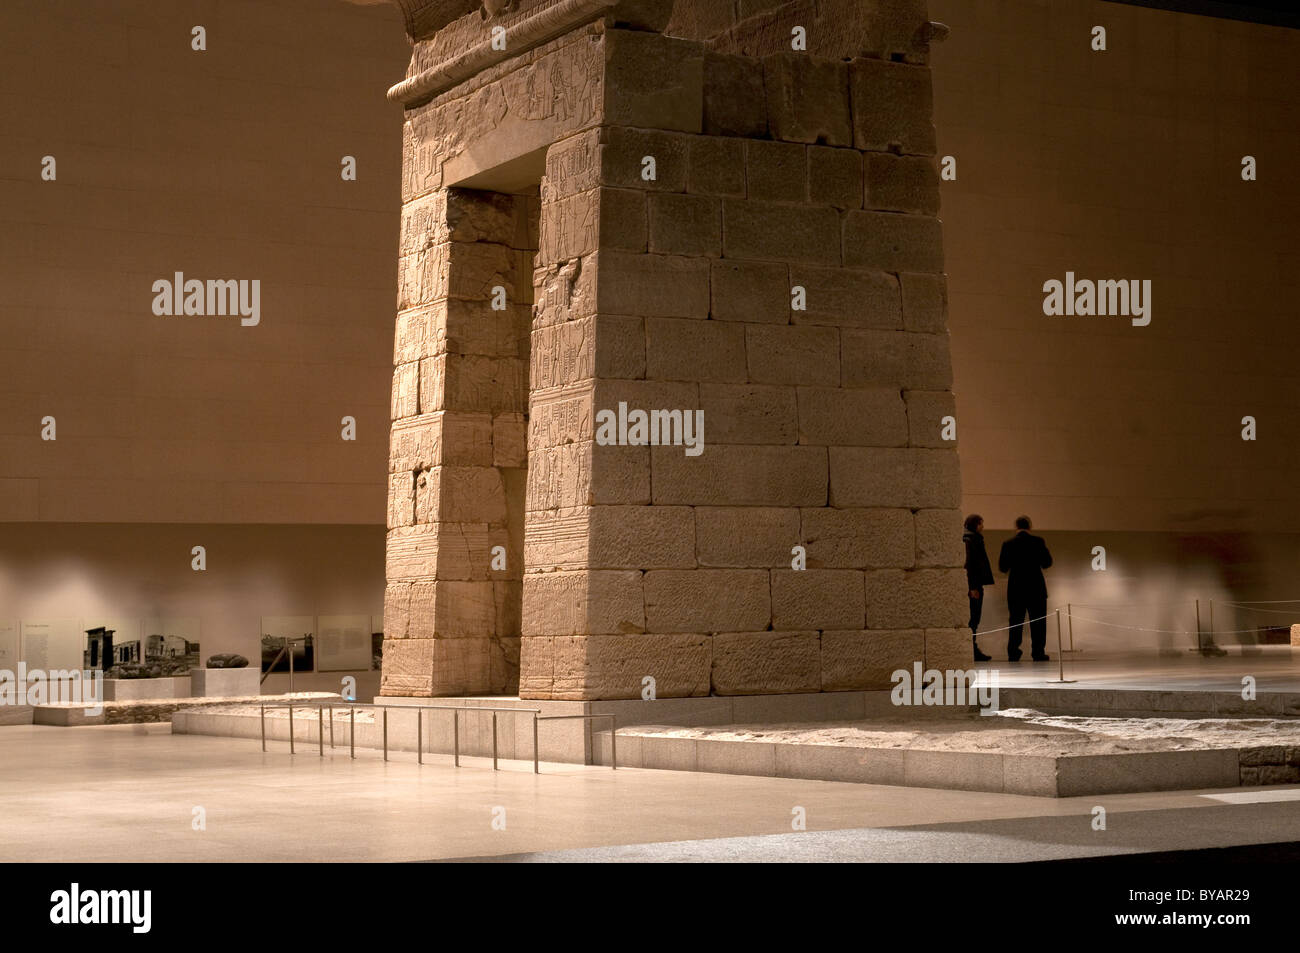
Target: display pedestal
[{"x": 225, "y": 682}]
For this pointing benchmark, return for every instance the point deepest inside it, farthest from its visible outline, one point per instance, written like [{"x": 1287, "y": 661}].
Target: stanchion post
[
  {"x": 419, "y": 736},
  {"x": 1069, "y": 618},
  {"x": 320, "y": 728},
  {"x": 536, "y": 766},
  {"x": 291, "y": 728},
  {"x": 494, "y": 741},
  {"x": 455, "y": 736},
  {"x": 385, "y": 734},
  {"x": 263, "y": 707},
  {"x": 1198, "y": 625},
  {"x": 1060, "y": 655},
  {"x": 331, "y": 727},
  {"x": 352, "y": 734}
]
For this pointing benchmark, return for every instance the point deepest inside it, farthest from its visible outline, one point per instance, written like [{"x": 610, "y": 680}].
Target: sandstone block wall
[
  {"x": 457, "y": 454},
  {"x": 724, "y": 226}
]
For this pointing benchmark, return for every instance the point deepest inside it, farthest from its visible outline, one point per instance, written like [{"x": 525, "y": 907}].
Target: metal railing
[{"x": 322, "y": 707}]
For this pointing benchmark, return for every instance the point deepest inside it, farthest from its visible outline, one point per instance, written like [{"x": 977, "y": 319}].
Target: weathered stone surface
[
  {"x": 807, "y": 99},
  {"x": 685, "y": 225},
  {"x": 512, "y": 110},
  {"x": 716, "y": 166},
  {"x": 581, "y": 474},
  {"x": 902, "y": 184},
  {"x": 775, "y": 232},
  {"x": 755, "y": 291},
  {"x": 450, "y": 609},
  {"x": 938, "y": 538},
  {"x": 897, "y": 598},
  {"x": 406, "y": 391},
  {"x": 739, "y": 475},
  {"x": 425, "y": 667},
  {"x": 857, "y": 660},
  {"x": 765, "y": 414},
  {"x": 949, "y": 650},
  {"x": 653, "y": 81},
  {"x": 848, "y": 297},
  {"x": 612, "y": 666},
  {"x": 623, "y": 150},
  {"x": 926, "y": 411},
  {"x": 901, "y": 359},
  {"x": 593, "y": 348},
  {"x": 836, "y": 29},
  {"x": 851, "y": 418},
  {"x": 817, "y": 599},
  {"x": 707, "y": 600},
  {"x": 510, "y": 441},
  {"x": 683, "y": 349},
  {"x": 652, "y": 285},
  {"x": 734, "y": 103},
  {"x": 858, "y": 538},
  {"x": 1259, "y": 756},
  {"x": 460, "y": 495},
  {"x": 572, "y": 166},
  {"x": 925, "y": 303},
  {"x": 885, "y": 476},
  {"x": 473, "y": 382},
  {"x": 776, "y": 171},
  {"x": 889, "y": 241},
  {"x": 582, "y": 602},
  {"x": 641, "y": 537},
  {"x": 892, "y": 106},
  {"x": 579, "y": 224},
  {"x": 835, "y": 177},
  {"x": 747, "y": 663},
  {"x": 793, "y": 355},
  {"x": 745, "y": 536}
]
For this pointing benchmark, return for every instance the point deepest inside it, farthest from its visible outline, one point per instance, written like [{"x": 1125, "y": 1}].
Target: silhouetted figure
[
  {"x": 1023, "y": 559},
  {"x": 978, "y": 575}
]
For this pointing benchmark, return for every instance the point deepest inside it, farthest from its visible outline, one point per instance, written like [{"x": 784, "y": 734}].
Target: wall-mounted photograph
[{"x": 285, "y": 637}]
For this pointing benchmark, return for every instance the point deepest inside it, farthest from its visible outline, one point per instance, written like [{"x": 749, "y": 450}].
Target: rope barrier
[
  {"x": 1006, "y": 628},
  {"x": 1238, "y": 605},
  {"x": 1142, "y": 628},
  {"x": 1148, "y": 605}
]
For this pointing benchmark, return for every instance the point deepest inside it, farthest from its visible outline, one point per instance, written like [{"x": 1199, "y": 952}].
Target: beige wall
[
  {"x": 219, "y": 164},
  {"x": 225, "y": 164},
  {"x": 1122, "y": 164}
]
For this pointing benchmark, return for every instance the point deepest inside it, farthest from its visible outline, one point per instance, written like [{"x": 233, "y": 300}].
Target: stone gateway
[{"x": 611, "y": 203}]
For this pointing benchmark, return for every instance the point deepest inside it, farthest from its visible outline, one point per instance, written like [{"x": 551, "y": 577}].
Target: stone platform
[{"x": 794, "y": 736}]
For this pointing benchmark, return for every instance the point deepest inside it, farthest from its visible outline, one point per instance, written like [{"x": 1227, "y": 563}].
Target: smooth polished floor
[
  {"x": 1274, "y": 668},
  {"x": 137, "y": 792}
]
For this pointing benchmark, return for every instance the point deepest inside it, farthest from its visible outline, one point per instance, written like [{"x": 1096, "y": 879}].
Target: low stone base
[
  {"x": 134, "y": 689},
  {"x": 225, "y": 682},
  {"x": 994, "y": 772},
  {"x": 66, "y": 716},
  {"x": 15, "y": 715}
]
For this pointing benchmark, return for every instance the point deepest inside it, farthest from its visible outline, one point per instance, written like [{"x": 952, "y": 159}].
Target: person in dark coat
[
  {"x": 978, "y": 575},
  {"x": 1023, "y": 559}
]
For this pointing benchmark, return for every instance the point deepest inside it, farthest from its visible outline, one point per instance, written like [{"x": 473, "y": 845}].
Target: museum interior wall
[
  {"x": 226, "y": 164},
  {"x": 1122, "y": 164}
]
